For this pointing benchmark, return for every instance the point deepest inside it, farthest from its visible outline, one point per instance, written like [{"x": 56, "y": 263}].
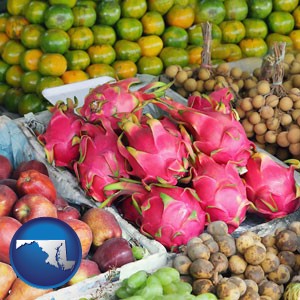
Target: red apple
[
  {"x": 12, "y": 183},
  {"x": 103, "y": 223},
  {"x": 7, "y": 277},
  {"x": 60, "y": 201},
  {"x": 33, "y": 206},
  {"x": 113, "y": 253},
  {"x": 30, "y": 165},
  {"x": 67, "y": 212},
  {"x": 84, "y": 234},
  {"x": 24, "y": 291},
  {"x": 8, "y": 227},
  {"x": 34, "y": 182},
  {"x": 6, "y": 167},
  {"x": 87, "y": 269},
  {"x": 7, "y": 199}
]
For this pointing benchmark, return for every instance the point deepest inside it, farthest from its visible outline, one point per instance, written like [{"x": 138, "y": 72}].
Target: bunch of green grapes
[{"x": 163, "y": 284}]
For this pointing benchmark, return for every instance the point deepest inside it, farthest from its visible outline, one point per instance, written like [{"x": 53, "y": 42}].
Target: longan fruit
[
  {"x": 248, "y": 127},
  {"x": 286, "y": 103},
  {"x": 182, "y": 92},
  {"x": 240, "y": 112},
  {"x": 235, "y": 87},
  {"x": 181, "y": 77},
  {"x": 295, "y": 67},
  {"x": 203, "y": 74},
  {"x": 260, "y": 128},
  {"x": 272, "y": 100},
  {"x": 295, "y": 113},
  {"x": 209, "y": 85},
  {"x": 223, "y": 68},
  {"x": 249, "y": 83},
  {"x": 190, "y": 85},
  {"x": 196, "y": 93},
  {"x": 263, "y": 87},
  {"x": 282, "y": 139},
  {"x": 188, "y": 70},
  {"x": 172, "y": 70},
  {"x": 296, "y": 80},
  {"x": 254, "y": 117},
  {"x": 294, "y": 149},
  {"x": 258, "y": 101},
  {"x": 246, "y": 104},
  {"x": 272, "y": 123},
  {"x": 288, "y": 58},
  {"x": 296, "y": 104},
  {"x": 252, "y": 92},
  {"x": 257, "y": 72},
  {"x": 294, "y": 135},
  {"x": 236, "y": 72},
  {"x": 287, "y": 85},
  {"x": 271, "y": 136},
  {"x": 200, "y": 86},
  {"x": 294, "y": 94},
  {"x": 286, "y": 119},
  {"x": 245, "y": 75},
  {"x": 260, "y": 138},
  {"x": 266, "y": 112},
  {"x": 298, "y": 120}
]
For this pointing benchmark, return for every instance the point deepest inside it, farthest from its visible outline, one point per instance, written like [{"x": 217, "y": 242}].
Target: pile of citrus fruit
[{"x": 55, "y": 42}]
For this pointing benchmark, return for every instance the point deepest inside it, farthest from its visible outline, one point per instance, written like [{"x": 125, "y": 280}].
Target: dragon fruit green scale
[{"x": 271, "y": 187}]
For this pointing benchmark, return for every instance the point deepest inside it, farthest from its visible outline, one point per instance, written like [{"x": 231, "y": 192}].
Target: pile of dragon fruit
[{"x": 171, "y": 174}]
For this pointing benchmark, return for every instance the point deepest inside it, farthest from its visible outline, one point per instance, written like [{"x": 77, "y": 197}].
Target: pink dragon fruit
[
  {"x": 100, "y": 162},
  {"x": 155, "y": 149},
  {"x": 221, "y": 191},
  {"x": 62, "y": 136},
  {"x": 271, "y": 186},
  {"x": 217, "y": 134},
  {"x": 116, "y": 100},
  {"x": 171, "y": 215}
]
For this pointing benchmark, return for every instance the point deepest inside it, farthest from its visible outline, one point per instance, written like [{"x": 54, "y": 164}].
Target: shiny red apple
[
  {"x": 12, "y": 183},
  {"x": 8, "y": 227},
  {"x": 7, "y": 277},
  {"x": 87, "y": 269},
  {"x": 6, "y": 167},
  {"x": 67, "y": 212},
  {"x": 33, "y": 206},
  {"x": 7, "y": 199},
  {"x": 103, "y": 223},
  {"x": 32, "y": 164},
  {"x": 60, "y": 201},
  {"x": 84, "y": 234}
]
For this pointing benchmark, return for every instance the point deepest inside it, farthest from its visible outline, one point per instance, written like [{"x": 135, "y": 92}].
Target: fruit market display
[
  {"x": 216, "y": 265},
  {"x": 112, "y": 147},
  {"x": 27, "y": 192},
  {"x": 50, "y": 43}
]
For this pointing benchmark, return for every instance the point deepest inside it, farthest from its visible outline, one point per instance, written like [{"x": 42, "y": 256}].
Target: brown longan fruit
[
  {"x": 272, "y": 123},
  {"x": 289, "y": 57},
  {"x": 294, "y": 149},
  {"x": 285, "y": 103},
  {"x": 249, "y": 83},
  {"x": 298, "y": 120},
  {"x": 252, "y": 92},
  {"x": 223, "y": 68},
  {"x": 236, "y": 72},
  {"x": 209, "y": 85},
  {"x": 260, "y": 138},
  {"x": 287, "y": 85},
  {"x": 246, "y": 104},
  {"x": 172, "y": 70},
  {"x": 271, "y": 136},
  {"x": 282, "y": 140},
  {"x": 294, "y": 94},
  {"x": 266, "y": 112},
  {"x": 258, "y": 101},
  {"x": 203, "y": 74},
  {"x": 294, "y": 135},
  {"x": 254, "y": 117},
  {"x": 257, "y": 72},
  {"x": 286, "y": 119},
  {"x": 295, "y": 67},
  {"x": 272, "y": 100},
  {"x": 190, "y": 84},
  {"x": 200, "y": 86},
  {"x": 263, "y": 87},
  {"x": 182, "y": 92},
  {"x": 296, "y": 104},
  {"x": 240, "y": 112},
  {"x": 296, "y": 80},
  {"x": 260, "y": 128},
  {"x": 181, "y": 77}
]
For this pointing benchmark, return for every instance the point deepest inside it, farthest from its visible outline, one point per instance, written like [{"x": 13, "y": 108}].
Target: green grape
[
  {"x": 166, "y": 275},
  {"x": 138, "y": 252},
  {"x": 150, "y": 291},
  {"x": 173, "y": 297},
  {"x": 206, "y": 296},
  {"x": 121, "y": 293},
  {"x": 170, "y": 288},
  {"x": 152, "y": 280},
  {"x": 184, "y": 288},
  {"x": 135, "y": 298},
  {"x": 137, "y": 279}
]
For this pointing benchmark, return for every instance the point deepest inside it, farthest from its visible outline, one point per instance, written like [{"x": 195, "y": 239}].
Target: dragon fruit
[
  {"x": 221, "y": 191},
  {"x": 271, "y": 186},
  {"x": 217, "y": 134},
  {"x": 100, "y": 162},
  {"x": 115, "y": 100},
  {"x": 171, "y": 215},
  {"x": 62, "y": 136},
  {"x": 156, "y": 150}
]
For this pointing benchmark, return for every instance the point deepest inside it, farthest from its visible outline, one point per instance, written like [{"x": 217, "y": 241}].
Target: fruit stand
[{"x": 167, "y": 129}]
